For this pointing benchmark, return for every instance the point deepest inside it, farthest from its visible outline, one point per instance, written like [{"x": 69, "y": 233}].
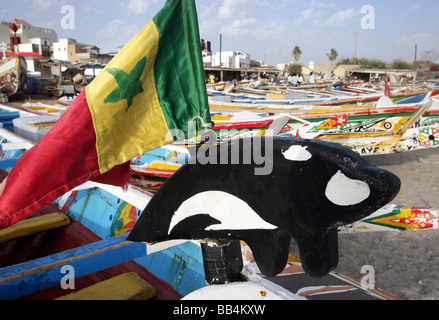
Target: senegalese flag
[{"x": 154, "y": 84}]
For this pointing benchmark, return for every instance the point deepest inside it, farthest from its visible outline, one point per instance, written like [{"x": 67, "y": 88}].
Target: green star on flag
[{"x": 129, "y": 84}]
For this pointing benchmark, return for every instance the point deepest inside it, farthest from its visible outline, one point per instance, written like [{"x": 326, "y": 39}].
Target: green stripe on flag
[{"x": 181, "y": 89}]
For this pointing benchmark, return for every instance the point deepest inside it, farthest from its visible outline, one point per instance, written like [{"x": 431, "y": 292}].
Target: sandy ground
[
  {"x": 22, "y": 97},
  {"x": 405, "y": 263}
]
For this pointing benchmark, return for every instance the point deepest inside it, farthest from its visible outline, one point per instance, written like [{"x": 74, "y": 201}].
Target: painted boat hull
[
  {"x": 377, "y": 134},
  {"x": 13, "y": 75},
  {"x": 101, "y": 217},
  {"x": 173, "y": 271}
]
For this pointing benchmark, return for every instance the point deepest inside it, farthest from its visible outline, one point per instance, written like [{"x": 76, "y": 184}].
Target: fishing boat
[
  {"x": 13, "y": 75},
  {"x": 95, "y": 227},
  {"x": 40, "y": 108},
  {"x": 376, "y": 134},
  {"x": 85, "y": 230},
  {"x": 325, "y": 96},
  {"x": 89, "y": 235},
  {"x": 65, "y": 101}
]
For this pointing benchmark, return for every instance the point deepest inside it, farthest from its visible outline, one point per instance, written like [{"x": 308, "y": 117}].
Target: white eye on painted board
[
  {"x": 297, "y": 153},
  {"x": 344, "y": 191},
  {"x": 234, "y": 213}
]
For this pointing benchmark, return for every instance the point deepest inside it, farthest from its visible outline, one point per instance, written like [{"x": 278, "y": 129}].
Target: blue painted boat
[
  {"x": 101, "y": 217},
  {"x": 94, "y": 245}
]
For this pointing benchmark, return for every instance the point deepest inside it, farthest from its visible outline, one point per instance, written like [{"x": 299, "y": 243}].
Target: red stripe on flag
[{"x": 63, "y": 159}]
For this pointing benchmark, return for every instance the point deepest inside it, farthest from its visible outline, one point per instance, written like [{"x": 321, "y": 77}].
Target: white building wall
[
  {"x": 31, "y": 61},
  {"x": 5, "y": 35},
  {"x": 27, "y": 32},
  {"x": 60, "y": 51},
  {"x": 231, "y": 59}
]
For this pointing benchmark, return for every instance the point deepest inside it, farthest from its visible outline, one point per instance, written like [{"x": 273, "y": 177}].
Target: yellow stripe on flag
[{"x": 125, "y": 126}]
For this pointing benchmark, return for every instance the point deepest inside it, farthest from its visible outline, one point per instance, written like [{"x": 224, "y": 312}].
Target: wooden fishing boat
[
  {"x": 13, "y": 75},
  {"x": 95, "y": 220},
  {"x": 314, "y": 113},
  {"x": 151, "y": 176},
  {"x": 91, "y": 236},
  {"x": 94, "y": 256},
  {"x": 65, "y": 101},
  {"x": 292, "y": 284},
  {"x": 380, "y": 134},
  {"x": 343, "y": 95},
  {"x": 40, "y": 108},
  {"x": 55, "y": 91},
  {"x": 397, "y": 218}
]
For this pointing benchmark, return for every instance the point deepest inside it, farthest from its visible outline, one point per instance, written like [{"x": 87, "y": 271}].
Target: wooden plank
[
  {"x": 34, "y": 225},
  {"x": 28, "y": 277},
  {"x": 13, "y": 146},
  {"x": 127, "y": 286}
]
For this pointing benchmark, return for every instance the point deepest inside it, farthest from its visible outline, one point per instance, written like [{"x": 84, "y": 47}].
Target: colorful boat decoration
[
  {"x": 381, "y": 134},
  {"x": 397, "y": 218},
  {"x": 13, "y": 75},
  {"x": 152, "y": 176}
]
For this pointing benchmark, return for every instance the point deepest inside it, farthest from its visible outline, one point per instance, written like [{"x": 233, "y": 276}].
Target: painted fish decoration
[{"x": 265, "y": 191}]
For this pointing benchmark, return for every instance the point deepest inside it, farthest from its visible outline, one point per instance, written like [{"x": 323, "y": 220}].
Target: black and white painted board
[{"x": 313, "y": 187}]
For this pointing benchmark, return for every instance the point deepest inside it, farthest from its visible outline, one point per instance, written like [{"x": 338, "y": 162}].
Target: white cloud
[
  {"x": 415, "y": 6},
  {"x": 139, "y": 6},
  {"x": 227, "y": 9},
  {"x": 44, "y": 4},
  {"x": 306, "y": 16},
  {"x": 341, "y": 18},
  {"x": 316, "y": 4},
  {"x": 204, "y": 11},
  {"x": 234, "y": 8},
  {"x": 422, "y": 39},
  {"x": 240, "y": 27},
  {"x": 118, "y": 28}
]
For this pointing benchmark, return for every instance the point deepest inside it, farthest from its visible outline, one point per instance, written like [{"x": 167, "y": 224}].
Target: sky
[{"x": 267, "y": 30}]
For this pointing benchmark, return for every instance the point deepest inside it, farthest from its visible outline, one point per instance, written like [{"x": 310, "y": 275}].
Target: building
[
  {"x": 229, "y": 59},
  {"x": 207, "y": 58},
  {"x": 33, "y": 43},
  {"x": 5, "y": 32},
  {"x": 68, "y": 49},
  {"x": 26, "y": 32},
  {"x": 325, "y": 69},
  {"x": 345, "y": 70}
]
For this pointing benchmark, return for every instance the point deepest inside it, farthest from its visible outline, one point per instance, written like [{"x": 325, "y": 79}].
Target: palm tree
[
  {"x": 296, "y": 53},
  {"x": 332, "y": 56}
]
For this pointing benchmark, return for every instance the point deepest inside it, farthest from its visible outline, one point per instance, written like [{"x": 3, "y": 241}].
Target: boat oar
[{"x": 416, "y": 116}]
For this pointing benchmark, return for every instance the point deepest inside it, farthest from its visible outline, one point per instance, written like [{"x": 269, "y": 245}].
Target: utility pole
[
  {"x": 356, "y": 41},
  {"x": 221, "y": 50},
  {"x": 415, "y": 64}
]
